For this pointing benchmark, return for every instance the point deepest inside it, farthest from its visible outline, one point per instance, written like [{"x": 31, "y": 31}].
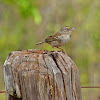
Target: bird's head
[{"x": 66, "y": 29}]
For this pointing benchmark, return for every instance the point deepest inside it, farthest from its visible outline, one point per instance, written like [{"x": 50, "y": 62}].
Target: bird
[{"x": 60, "y": 38}]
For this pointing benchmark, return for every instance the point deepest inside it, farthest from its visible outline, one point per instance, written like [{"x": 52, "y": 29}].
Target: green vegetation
[{"x": 23, "y": 23}]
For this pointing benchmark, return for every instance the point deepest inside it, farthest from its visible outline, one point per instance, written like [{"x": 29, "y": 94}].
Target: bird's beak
[{"x": 73, "y": 29}]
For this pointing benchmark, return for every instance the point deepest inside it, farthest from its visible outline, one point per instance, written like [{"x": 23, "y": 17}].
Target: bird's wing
[{"x": 54, "y": 37}]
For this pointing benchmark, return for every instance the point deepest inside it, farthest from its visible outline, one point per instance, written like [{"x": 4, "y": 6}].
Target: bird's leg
[
  {"x": 61, "y": 49},
  {"x": 54, "y": 49}
]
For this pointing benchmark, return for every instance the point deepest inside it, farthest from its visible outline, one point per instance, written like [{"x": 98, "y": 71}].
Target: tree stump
[{"x": 41, "y": 75}]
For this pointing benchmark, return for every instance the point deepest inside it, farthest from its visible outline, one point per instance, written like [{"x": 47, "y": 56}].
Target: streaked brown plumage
[{"x": 60, "y": 38}]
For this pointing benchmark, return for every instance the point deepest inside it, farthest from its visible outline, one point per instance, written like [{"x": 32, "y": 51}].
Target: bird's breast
[{"x": 65, "y": 38}]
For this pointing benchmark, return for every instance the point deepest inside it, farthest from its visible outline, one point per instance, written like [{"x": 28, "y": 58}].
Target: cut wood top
[{"x": 42, "y": 75}]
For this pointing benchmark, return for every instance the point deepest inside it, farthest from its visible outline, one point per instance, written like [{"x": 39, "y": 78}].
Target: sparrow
[{"x": 60, "y": 38}]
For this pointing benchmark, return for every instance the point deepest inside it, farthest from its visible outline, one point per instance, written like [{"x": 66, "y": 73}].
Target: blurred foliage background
[{"x": 23, "y": 23}]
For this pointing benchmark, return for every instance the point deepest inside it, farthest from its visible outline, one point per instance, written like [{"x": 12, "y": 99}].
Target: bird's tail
[{"x": 40, "y": 43}]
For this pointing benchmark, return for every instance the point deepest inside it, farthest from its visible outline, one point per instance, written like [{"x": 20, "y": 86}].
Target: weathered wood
[{"x": 41, "y": 75}]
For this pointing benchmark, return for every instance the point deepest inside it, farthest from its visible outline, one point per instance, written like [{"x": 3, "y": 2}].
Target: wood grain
[{"x": 41, "y": 75}]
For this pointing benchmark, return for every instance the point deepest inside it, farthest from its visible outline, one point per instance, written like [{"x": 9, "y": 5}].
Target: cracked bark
[{"x": 41, "y": 75}]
